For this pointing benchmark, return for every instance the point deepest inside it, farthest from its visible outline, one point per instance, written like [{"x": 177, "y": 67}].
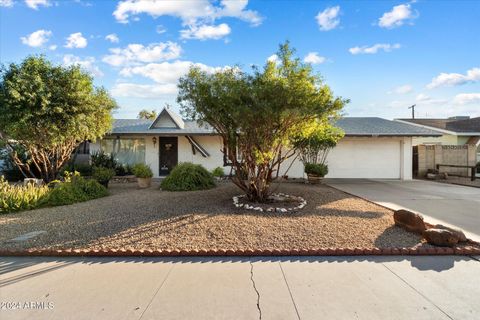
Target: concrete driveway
[
  {"x": 421, "y": 287},
  {"x": 440, "y": 203}
]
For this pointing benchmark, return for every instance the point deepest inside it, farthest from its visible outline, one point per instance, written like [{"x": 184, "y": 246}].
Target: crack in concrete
[{"x": 255, "y": 288}]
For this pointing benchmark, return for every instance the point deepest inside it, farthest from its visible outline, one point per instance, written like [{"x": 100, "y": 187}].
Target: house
[
  {"x": 371, "y": 148},
  {"x": 455, "y": 130}
]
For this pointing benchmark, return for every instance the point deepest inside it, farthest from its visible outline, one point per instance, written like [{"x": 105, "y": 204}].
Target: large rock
[
  {"x": 410, "y": 221},
  {"x": 457, "y": 232},
  {"x": 440, "y": 237}
]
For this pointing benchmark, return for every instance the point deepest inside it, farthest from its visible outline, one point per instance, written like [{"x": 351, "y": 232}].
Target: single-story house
[
  {"x": 460, "y": 130},
  {"x": 454, "y": 130},
  {"x": 371, "y": 148}
]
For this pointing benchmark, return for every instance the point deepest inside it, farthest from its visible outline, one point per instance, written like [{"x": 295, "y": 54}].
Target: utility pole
[{"x": 413, "y": 111}]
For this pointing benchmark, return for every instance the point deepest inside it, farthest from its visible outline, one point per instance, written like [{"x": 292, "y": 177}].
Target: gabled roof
[
  {"x": 455, "y": 125},
  {"x": 353, "y": 126},
  {"x": 168, "y": 119}
]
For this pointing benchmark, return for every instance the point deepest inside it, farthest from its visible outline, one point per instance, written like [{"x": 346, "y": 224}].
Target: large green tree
[
  {"x": 147, "y": 115},
  {"x": 259, "y": 113},
  {"x": 47, "y": 110}
]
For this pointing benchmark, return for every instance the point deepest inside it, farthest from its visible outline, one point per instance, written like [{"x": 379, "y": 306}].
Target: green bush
[
  {"x": 102, "y": 159},
  {"x": 218, "y": 172},
  {"x": 78, "y": 189},
  {"x": 20, "y": 197},
  {"x": 85, "y": 169},
  {"x": 318, "y": 169},
  {"x": 188, "y": 177},
  {"x": 141, "y": 170},
  {"x": 103, "y": 175}
]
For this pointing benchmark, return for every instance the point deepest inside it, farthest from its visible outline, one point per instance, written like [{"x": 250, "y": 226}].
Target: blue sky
[{"x": 382, "y": 55}]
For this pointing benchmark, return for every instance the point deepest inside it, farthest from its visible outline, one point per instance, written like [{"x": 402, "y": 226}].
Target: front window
[{"x": 126, "y": 150}]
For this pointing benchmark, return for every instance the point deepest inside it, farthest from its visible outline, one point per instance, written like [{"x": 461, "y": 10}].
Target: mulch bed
[{"x": 154, "y": 222}]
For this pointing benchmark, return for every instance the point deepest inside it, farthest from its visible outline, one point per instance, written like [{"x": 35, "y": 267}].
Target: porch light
[{"x": 154, "y": 140}]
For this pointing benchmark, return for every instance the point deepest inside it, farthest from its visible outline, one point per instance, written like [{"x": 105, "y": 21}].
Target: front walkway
[
  {"x": 439, "y": 202},
  {"x": 389, "y": 287}
]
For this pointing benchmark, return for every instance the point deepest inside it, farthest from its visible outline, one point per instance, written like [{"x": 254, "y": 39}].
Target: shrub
[
  {"x": 103, "y": 175},
  {"x": 316, "y": 169},
  {"x": 78, "y": 189},
  {"x": 141, "y": 170},
  {"x": 102, "y": 159},
  {"x": 20, "y": 197},
  {"x": 188, "y": 177},
  {"x": 218, "y": 172},
  {"x": 85, "y": 169}
]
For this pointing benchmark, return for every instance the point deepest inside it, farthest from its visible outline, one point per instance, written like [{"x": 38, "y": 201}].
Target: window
[{"x": 127, "y": 151}]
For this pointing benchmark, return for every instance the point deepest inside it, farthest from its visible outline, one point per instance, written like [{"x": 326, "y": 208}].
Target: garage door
[{"x": 374, "y": 158}]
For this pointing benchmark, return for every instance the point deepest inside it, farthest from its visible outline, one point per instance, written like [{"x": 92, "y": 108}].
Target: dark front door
[{"x": 168, "y": 154}]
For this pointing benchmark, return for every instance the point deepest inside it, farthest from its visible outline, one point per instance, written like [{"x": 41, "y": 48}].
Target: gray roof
[
  {"x": 459, "y": 125},
  {"x": 353, "y": 126},
  {"x": 141, "y": 126},
  {"x": 373, "y": 126}
]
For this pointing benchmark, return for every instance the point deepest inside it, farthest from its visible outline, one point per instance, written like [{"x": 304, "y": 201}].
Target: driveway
[
  {"x": 413, "y": 287},
  {"x": 440, "y": 203}
]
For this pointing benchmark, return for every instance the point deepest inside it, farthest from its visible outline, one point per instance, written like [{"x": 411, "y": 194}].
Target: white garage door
[{"x": 375, "y": 158}]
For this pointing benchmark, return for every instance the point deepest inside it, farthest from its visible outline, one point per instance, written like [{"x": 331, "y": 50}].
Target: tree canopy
[
  {"x": 48, "y": 110},
  {"x": 148, "y": 115},
  {"x": 258, "y": 113}
]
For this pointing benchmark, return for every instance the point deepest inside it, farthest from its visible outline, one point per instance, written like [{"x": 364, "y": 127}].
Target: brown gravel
[{"x": 154, "y": 219}]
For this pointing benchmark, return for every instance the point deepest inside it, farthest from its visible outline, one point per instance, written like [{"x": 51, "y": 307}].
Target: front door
[{"x": 168, "y": 154}]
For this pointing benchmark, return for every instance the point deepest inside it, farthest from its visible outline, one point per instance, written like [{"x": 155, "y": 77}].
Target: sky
[{"x": 382, "y": 55}]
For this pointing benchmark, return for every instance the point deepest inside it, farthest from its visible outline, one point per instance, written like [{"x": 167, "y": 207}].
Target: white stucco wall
[{"x": 381, "y": 158}]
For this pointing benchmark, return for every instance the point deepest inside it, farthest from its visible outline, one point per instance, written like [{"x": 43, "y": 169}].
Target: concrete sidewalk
[
  {"x": 447, "y": 204},
  {"x": 444, "y": 287}
]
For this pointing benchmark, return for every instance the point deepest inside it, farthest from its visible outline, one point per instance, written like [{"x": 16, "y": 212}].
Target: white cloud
[
  {"x": 273, "y": 58},
  {"x": 88, "y": 64},
  {"x": 424, "y": 99},
  {"x": 189, "y": 11},
  {"x": 34, "y": 4},
  {"x": 402, "y": 89},
  {"x": 454, "y": 79},
  {"x": 145, "y": 91},
  {"x": 160, "y": 29},
  {"x": 397, "y": 17},
  {"x": 76, "y": 40},
  {"x": 374, "y": 49},
  {"x": 113, "y": 38},
  {"x": 467, "y": 98},
  {"x": 37, "y": 38},
  {"x": 165, "y": 72},
  {"x": 165, "y": 75},
  {"x": 53, "y": 47},
  {"x": 205, "y": 32},
  {"x": 328, "y": 18},
  {"x": 6, "y": 3},
  {"x": 314, "y": 58},
  {"x": 136, "y": 53}
]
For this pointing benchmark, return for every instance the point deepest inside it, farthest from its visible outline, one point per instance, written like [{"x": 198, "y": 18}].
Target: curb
[{"x": 431, "y": 251}]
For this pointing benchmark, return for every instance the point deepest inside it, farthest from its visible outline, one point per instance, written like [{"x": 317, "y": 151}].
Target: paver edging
[{"x": 431, "y": 251}]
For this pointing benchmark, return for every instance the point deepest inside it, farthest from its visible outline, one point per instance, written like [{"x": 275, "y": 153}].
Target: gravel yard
[{"x": 153, "y": 219}]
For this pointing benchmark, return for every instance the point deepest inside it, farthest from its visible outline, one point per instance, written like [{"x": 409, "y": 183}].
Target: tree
[
  {"x": 148, "y": 115},
  {"x": 314, "y": 145},
  {"x": 258, "y": 113},
  {"x": 47, "y": 110}
]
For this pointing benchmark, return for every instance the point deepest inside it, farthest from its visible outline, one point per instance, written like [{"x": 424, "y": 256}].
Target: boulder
[
  {"x": 440, "y": 237},
  {"x": 410, "y": 221},
  {"x": 457, "y": 232}
]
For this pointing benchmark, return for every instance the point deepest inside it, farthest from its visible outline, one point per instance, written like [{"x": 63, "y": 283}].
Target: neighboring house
[
  {"x": 454, "y": 130},
  {"x": 371, "y": 148}
]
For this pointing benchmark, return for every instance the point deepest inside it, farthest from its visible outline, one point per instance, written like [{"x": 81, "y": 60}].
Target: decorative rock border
[
  {"x": 467, "y": 250},
  {"x": 247, "y": 206}
]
